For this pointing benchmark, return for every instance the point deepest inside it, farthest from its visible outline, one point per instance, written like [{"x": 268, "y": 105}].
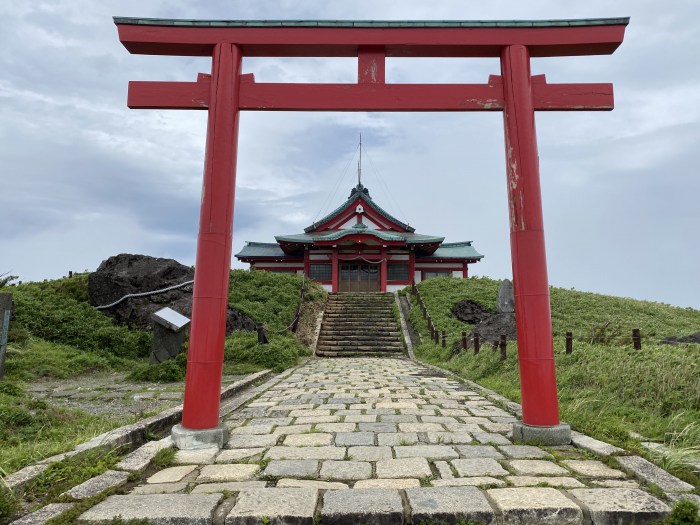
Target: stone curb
[
  {"x": 132, "y": 435},
  {"x": 404, "y": 329}
]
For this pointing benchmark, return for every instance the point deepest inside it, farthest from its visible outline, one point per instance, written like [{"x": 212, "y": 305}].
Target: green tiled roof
[
  {"x": 262, "y": 249},
  {"x": 379, "y": 24},
  {"x": 335, "y": 235},
  {"x": 454, "y": 250},
  {"x": 359, "y": 191}
]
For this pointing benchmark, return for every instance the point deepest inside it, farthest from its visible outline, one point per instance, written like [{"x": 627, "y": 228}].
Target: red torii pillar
[{"x": 226, "y": 92}]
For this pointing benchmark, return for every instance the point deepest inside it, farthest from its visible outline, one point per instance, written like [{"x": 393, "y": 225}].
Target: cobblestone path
[{"x": 377, "y": 440}]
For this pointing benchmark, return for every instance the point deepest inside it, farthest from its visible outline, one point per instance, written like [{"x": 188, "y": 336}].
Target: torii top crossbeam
[{"x": 225, "y": 92}]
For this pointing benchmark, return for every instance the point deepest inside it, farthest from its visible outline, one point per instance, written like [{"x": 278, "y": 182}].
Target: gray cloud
[{"x": 82, "y": 177}]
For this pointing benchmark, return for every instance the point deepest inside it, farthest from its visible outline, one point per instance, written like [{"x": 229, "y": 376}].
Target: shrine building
[{"x": 359, "y": 247}]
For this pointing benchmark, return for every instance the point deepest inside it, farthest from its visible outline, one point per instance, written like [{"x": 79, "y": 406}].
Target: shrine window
[
  {"x": 320, "y": 272},
  {"x": 397, "y": 272},
  {"x": 431, "y": 274}
]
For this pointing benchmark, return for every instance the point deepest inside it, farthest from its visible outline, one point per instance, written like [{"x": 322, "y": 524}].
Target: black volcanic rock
[{"x": 125, "y": 274}]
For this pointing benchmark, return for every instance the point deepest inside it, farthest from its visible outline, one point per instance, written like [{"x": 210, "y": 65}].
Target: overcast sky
[{"x": 82, "y": 177}]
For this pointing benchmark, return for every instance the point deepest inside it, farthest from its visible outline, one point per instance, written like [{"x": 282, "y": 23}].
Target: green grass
[
  {"x": 57, "y": 334},
  {"x": 605, "y": 390}
]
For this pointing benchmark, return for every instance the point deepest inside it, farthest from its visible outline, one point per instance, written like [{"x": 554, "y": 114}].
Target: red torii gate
[{"x": 225, "y": 92}]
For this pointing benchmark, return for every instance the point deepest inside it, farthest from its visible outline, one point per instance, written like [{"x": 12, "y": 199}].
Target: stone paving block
[
  {"x": 421, "y": 427},
  {"x": 478, "y": 467},
  {"x": 530, "y": 467},
  {"x": 252, "y": 441},
  {"x": 230, "y": 486},
  {"x": 491, "y": 437},
  {"x": 395, "y": 405},
  {"x": 524, "y": 452},
  {"x": 309, "y": 413},
  {"x": 317, "y": 419},
  {"x": 426, "y": 451},
  {"x": 230, "y": 472},
  {"x": 449, "y": 504},
  {"x": 497, "y": 427},
  {"x": 593, "y": 445},
  {"x": 442, "y": 420},
  {"x": 377, "y": 427},
  {"x": 650, "y": 473},
  {"x": 593, "y": 469},
  {"x": 535, "y": 506},
  {"x": 613, "y": 506},
  {"x": 336, "y": 427},
  {"x": 160, "y": 488},
  {"x": 239, "y": 455},
  {"x": 552, "y": 481},
  {"x": 615, "y": 484},
  {"x": 306, "y": 453},
  {"x": 473, "y": 481},
  {"x": 354, "y": 438},
  {"x": 346, "y": 470},
  {"x": 308, "y": 440},
  {"x": 397, "y": 483},
  {"x": 311, "y": 484},
  {"x": 196, "y": 457},
  {"x": 44, "y": 514},
  {"x": 444, "y": 469},
  {"x": 139, "y": 459},
  {"x": 361, "y": 418},
  {"x": 269, "y": 420},
  {"x": 369, "y": 453},
  {"x": 367, "y": 506},
  {"x": 478, "y": 451},
  {"x": 292, "y": 468},
  {"x": 398, "y": 438},
  {"x": 97, "y": 485},
  {"x": 292, "y": 429},
  {"x": 252, "y": 429},
  {"x": 461, "y": 438},
  {"x": 398, "y": 418},
  {"x": 293, "y": 506},
  {"x": 172, "y": 474},
  {"x": 158, "y": 509},
  {"x": 403, "y": 468}
]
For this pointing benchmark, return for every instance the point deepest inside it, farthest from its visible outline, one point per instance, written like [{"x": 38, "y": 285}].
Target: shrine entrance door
[{"x": 360, "y": 278}]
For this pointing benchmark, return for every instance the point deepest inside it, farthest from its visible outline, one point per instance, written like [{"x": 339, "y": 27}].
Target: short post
[
  {"x": 477, "y": 342},
  {"x": 636, "y": 338},
  {"x": 437, "y": 336},
  {"x": 5, "y": 313},
  {"x": 444, "y": 339},
  {"x": 569, "y": 342},
  {"x": 494, "y": 345},
  {"x": 503, "y": 346},
  {"x": 464, "y": 340},
  {"x": 262, "y": 337},
  {"x": 431, "y": 328},
  {"x": 70, "y": 274},
  {"x": 169, "y": 333}
]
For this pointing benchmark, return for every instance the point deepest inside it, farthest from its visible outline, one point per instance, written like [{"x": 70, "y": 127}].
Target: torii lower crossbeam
[{"x": 225, "y": 92}]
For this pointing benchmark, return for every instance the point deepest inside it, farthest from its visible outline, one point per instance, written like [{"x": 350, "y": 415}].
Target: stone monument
[{"x": 169, "y": 332}]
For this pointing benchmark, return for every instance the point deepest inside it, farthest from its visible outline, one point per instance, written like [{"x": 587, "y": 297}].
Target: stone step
[
  {"x": 359, "y": 348},
  {"x": 369, "y": 334},
  {"x": 347, "y": 354},
  {"x": 366, "y": 342}
]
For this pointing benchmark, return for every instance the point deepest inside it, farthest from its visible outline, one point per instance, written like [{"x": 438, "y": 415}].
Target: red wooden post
[
  {"x": 382, "y": 271},
  {"x": 534, "y": 325},
  {"x": 213, "y": 262},
  {"x": 334, "y": 271}
]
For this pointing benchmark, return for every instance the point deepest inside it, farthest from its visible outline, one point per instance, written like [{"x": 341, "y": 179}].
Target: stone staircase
[{"x": 359, "y": 324}]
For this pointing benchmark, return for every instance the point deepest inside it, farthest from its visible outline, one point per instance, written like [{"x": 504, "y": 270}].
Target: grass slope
[
  {"x": 55, "y": 333},
  {"x": 606, "y": 390}
]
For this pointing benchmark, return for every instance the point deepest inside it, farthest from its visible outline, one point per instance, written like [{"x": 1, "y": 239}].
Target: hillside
[
  {"x": 55, "y": 333},
  {"x": 606, "y": 389}
]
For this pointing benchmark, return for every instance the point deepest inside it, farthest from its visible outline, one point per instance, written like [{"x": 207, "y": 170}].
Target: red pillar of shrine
[
  {"x": 533, "y": 317},
  {"x": 383, "y": 270},
  {"x": 213, "y": 262},
  {"x": 334, "y": 271}
]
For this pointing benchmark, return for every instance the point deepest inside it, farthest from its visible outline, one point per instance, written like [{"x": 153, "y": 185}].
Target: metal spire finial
[{"x": 359, "y": 164}]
